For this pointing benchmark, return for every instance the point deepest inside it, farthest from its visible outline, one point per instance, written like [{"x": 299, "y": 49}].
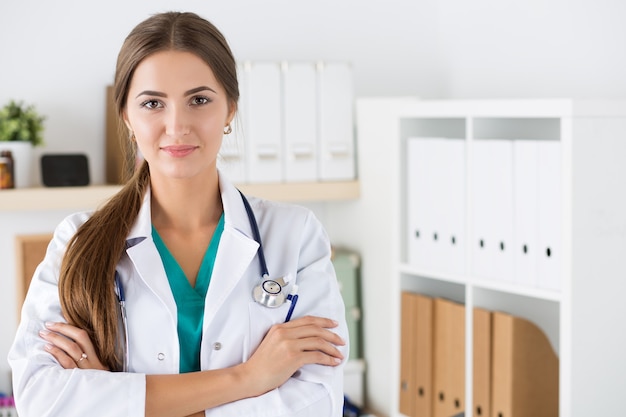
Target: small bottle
[
  {"x": 7, "y": 170},
  {"x": 11, "y": 411},
  {"x": 4, "y": 406}
]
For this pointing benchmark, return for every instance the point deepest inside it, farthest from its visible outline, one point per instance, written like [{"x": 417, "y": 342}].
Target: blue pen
[{"x": 293, "y": 297}]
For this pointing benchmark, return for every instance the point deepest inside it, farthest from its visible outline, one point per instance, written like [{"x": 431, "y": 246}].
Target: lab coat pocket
[{"x": 261, "y": 320}]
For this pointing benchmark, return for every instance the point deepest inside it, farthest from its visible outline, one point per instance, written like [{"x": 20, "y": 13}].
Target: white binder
[
  {"x": 526, "y": 211},
  {"x": 300, "y": 121},
  {"x": 435, "y": 202},
  {"x": 264, "y": 153},
  {"x": 550, "y": 255},
  {"x": 420, "y": 205},
  {"x": 449, "y": 178},
  {"x": 492, "y": 208},
  {"x": 336, "y": 122},
  {"x": 232, "y": 156}
]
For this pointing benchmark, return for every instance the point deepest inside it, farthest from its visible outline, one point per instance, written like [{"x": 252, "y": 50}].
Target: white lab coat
[{"x": 294, "y": 243}]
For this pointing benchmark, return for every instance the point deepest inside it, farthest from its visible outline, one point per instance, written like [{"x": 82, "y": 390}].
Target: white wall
[{"x": 60, "y": 56}]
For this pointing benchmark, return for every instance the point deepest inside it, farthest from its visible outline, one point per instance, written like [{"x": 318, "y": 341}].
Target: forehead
[{"x": 172, "y": 70}]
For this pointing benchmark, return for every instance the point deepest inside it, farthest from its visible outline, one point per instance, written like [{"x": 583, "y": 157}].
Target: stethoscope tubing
[{"x": 119, "y": 289}]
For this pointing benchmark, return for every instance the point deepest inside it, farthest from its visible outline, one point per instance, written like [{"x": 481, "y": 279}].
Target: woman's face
[{"x": 177, "y": 111}]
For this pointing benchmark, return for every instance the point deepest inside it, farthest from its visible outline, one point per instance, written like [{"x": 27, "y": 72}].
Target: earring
[
  {"x": 228, "y": 130},
  {"x": 131, "y": 135}
]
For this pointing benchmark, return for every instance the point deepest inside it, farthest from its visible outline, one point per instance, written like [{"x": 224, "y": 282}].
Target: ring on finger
[{"x": 83, "y": 356}]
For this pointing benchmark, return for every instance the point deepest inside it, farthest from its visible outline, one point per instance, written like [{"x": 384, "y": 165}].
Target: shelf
[
  {"x": 452, "y": 278},
  {"x": 505, "y": 287},
  {"x": 512, "y": 288},
  {"x": 63, "y": 198},
  {"x": 303, "y": 192}
]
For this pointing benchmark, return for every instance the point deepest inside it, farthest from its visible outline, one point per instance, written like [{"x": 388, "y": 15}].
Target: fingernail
[
  {"x": 48, "y": 346},
  {"x": 43, "y": 333},
  {"x": 337, "y": 360},
  {"x": 49, "y": 324}
]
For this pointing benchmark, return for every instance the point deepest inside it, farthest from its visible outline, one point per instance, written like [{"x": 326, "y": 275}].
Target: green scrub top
[{"x": 189, "y": 300}]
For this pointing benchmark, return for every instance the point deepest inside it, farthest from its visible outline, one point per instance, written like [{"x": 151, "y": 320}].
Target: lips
[{"x": 178, "y": 151}]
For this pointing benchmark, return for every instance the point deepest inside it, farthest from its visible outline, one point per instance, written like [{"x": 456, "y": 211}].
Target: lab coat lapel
[
  {"x": 237, "y": 249},
  {"x": 146, "y": 259}
]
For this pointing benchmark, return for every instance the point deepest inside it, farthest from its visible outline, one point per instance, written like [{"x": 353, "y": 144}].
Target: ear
[
  {"x": 232, "y": 110},
  {"x": 125, "y": 119}
]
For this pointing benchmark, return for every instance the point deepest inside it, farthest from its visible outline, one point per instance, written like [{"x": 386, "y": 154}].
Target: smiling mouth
[{"x": 179, "y": 150}]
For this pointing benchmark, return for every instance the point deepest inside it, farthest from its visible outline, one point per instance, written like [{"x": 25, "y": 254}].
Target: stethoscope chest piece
[{"x": 270, "y": 293}]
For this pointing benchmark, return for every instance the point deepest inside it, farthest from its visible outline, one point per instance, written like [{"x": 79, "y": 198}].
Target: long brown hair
[{"x": 86, "y": 281}]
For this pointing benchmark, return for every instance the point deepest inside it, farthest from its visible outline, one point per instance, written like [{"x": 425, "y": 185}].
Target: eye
[
  {"x": 151, "y": 104},
  {"x": 199, "y": 100}
]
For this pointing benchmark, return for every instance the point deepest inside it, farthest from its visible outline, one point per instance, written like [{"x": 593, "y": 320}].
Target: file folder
[
  {"x": 420, "y": 209},
  {"x": 525, "y": 370},
  {"x": 264, "y": 123},
  {"x": 526, "y": 211},
  {"x": 550, "y": 246},
  {"x": 300, "y": 120},
  {"x": 347, "y": 269},
  {"x": 449, "y": 179},
  {"x": 336, "y": 122},
  {"x": 408, "y": 354},
  {"x": 481, "y": 363},
  {"x": 448, "y": 358},
  {"x": 424, "y": 357},
  {"x": 416, "y": 371},
  {"x": 232, "y": 156},
  {"x": 492, "y": 209}
]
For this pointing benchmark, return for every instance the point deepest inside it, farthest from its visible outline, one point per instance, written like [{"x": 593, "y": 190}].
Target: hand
[
  {"x": 289, "y": 346},
  {"x": 71, "y": 346}
]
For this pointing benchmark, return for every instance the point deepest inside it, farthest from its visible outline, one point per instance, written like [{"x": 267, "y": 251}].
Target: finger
[
  {"x": 61, "y": 356},
  {"x": 305, "y": 331},
  {"x": 77, "y": 335},
  {"x": 320, "y": 345},
  {"x": 80, "y": 336},
  {"x": 312, "y": 320},
  {"x": 320, "y": 358},
  {"x": 70, "y": 347}
]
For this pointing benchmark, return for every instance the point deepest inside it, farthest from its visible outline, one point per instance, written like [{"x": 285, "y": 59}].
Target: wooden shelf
[{"x": 63, "y": 198}]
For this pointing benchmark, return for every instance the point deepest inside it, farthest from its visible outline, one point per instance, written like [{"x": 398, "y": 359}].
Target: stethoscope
[{"x": 269, "y": 293}]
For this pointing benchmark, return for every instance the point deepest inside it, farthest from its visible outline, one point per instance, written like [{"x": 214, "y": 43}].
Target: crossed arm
[{"x": 285, "y": 348}]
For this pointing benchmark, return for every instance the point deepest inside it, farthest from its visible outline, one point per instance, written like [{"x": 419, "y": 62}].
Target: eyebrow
[{"x": 187, "y": 93}]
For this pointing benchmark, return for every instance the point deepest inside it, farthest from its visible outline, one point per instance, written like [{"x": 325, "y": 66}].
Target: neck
[{"x": 185, "y": 204}]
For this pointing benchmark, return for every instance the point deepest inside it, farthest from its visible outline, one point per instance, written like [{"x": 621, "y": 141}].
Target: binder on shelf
[
  {"x": 448, "y": 358},
  {"x": 424, "y": 359},
  {"x": 550, "y": 245},
  {"x": 264, "y": 134},
  {"x": 347, "y": 269},
  {"x": 336, "y": 133},
  {"x": 481, "y": 377},
  {"x": 408, "y": 354},
  {"x": 449, "y": 209},
  {"x": 416, "y": 370},
  {"x": 526, "y": 211},
  {"x": 232, "y": 156},
  {"x": 300, "y": 121},
  {"x": 420, "y": 233},
  {"x": 525, "y": 370},
  {"x": 492, "y": 182}
]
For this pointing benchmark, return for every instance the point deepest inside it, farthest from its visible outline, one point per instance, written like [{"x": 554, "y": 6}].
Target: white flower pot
[{"x": 22, "y": 162}]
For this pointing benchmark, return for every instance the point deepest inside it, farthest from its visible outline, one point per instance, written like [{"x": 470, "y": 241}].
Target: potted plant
[{"x": 21, "y": 128}]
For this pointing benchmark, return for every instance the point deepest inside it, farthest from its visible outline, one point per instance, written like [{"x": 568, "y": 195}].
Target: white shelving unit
[{"x": 583, "y": 319}]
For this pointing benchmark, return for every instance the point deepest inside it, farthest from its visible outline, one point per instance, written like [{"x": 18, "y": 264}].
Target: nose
[{"x": 177, "y": 122}]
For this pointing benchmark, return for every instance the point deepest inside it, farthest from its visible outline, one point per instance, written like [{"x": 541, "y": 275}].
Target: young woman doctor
[{"x": 182, "y": 248}]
